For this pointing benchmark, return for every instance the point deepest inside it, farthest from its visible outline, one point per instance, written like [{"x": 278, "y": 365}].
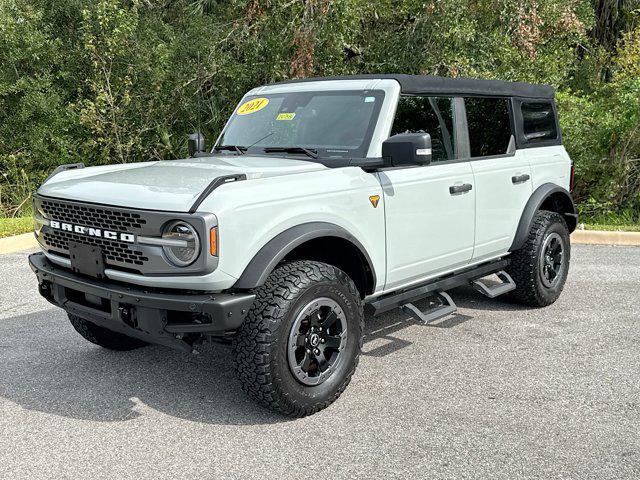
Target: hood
[{"x": 166, "y": 185}]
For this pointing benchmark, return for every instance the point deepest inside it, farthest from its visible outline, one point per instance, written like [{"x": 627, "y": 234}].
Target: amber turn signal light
[{"x": 213, "y": 241}]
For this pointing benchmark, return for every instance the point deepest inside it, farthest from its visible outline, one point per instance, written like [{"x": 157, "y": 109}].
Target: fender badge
[{"x": 374, "y": 199}]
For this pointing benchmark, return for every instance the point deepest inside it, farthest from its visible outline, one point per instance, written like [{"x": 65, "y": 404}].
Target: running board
[
  {"x": 386, "y": 303},
  {"x": 446, "y": 308},
  {"x": 495, "y": 290}
]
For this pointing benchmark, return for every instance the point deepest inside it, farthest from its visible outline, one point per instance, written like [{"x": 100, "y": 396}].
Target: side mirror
[
  {"x": 196, "y": 144},
  {"x": 407, "y": 149}
]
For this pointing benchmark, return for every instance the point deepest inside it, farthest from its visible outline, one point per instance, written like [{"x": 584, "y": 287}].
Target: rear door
[
  {"x": 429, "y": 229},
  {"x": 502, "y": 174}
]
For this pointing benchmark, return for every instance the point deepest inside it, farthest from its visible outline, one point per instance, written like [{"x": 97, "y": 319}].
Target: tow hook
[
  {"x": 127, "y": 315},
  {"x": 45, "y": 290}
]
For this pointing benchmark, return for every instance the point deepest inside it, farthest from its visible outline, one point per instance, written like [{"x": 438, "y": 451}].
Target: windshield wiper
[
  {"x": 307, "y": 151},
  {"x": 234, "y": 148}
]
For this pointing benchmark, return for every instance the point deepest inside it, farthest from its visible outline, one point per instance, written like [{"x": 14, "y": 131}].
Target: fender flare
[
  {"x": 538, "y": 197},
  {"x": 268, "y": 257}
]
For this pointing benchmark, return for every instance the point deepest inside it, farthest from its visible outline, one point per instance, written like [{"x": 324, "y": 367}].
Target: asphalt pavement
[{"x": 497, "y": 391}]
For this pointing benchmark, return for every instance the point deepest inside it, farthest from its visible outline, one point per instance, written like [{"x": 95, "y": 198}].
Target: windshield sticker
[
  {"x": 369, "y": 99},
  {"x": 285, "y": 116},
  {"x": 252, "y": 106}
]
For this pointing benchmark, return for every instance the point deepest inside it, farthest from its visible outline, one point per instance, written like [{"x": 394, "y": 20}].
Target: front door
[{"x": 429, "y": 226}]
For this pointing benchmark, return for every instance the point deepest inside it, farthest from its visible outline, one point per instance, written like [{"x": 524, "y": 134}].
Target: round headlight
[{"x": 186, "y": 244}]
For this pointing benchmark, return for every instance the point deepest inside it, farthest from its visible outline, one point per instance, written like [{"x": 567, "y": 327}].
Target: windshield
[{"x": 335, "y": 124}]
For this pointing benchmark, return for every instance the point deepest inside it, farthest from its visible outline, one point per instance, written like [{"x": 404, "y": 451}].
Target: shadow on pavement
[
  {"x": 48, "y": 367},
  {"x": 467, "y": 297}
]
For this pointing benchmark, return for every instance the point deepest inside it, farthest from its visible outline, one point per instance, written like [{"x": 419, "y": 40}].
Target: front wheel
[
  {"x": 541, "y": 266},
  {"x": 300, "y": 343}
]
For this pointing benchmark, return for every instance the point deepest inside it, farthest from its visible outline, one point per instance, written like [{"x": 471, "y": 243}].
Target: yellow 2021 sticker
[
  {"x": 252, "y": 106},
  {"x": 286, "y": 116}
]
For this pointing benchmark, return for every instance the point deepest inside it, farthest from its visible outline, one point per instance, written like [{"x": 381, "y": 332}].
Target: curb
[
  {"x": 598, "y": 237},
  {"x": 27, "y": 241},
  {"x": 18, "y": 243}
]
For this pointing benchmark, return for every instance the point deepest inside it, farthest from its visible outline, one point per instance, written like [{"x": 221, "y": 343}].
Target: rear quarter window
[{"x": 538, "y": 121}]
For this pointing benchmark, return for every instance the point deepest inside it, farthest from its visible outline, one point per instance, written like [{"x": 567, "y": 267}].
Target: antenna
[
  {"x": 196, "y": 140},
  {"x": 199, "y": 94}
]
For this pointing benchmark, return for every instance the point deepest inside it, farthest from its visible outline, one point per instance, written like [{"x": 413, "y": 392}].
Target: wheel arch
[
  {"x": 550, "y": 197},
  {"x": 320, "y": 241}
]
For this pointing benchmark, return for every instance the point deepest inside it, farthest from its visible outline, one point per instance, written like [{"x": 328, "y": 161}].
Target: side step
[
  {"x": 386, "y": 303},
  {"x": 446, "y": 308},
  {"x": 494, "y": 290}
]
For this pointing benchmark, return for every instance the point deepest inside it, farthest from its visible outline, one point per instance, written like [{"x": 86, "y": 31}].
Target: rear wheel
[
  {"x": 541, "y": 266},
  {"x": 300, "y": 343},
  {"x": 103, "y": 337}
]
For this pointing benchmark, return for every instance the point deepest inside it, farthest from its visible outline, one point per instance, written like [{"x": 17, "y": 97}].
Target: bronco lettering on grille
[{"x": 93, "y": 232}]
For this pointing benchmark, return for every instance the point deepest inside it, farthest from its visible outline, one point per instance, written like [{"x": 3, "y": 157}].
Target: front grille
[
  {"x": 94, "y": 216},
  {"x": 117, "y": 254},
  {"x": 140, "y": 256},
  {"x": 114, "y": 251}
]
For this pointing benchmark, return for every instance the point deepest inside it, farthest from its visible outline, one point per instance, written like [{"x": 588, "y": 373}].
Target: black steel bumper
[{"x": 156, "y": 317}]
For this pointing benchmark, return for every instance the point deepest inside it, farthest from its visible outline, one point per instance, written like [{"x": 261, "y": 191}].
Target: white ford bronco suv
[{"x": 321, "y": 198}]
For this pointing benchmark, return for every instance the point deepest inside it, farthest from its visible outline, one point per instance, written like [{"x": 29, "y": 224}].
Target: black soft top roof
[{"x": 429, "y": 84}]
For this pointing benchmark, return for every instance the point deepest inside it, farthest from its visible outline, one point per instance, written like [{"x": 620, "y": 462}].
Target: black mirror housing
[
  {"x": 196, "y": 144},
  {"x": 407, "y": 149}
]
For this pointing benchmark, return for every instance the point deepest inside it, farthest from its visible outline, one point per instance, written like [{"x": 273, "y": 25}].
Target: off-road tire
[
  {"x": 525, "y": 262},
  {"x": 260, "y": 348},
  {"x": 103, "y": 337}
]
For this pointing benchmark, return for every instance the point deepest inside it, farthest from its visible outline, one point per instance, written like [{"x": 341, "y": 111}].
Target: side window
[
  {"x": 489, "y": 126},
  {"x": 538, "y": 121},
  {"x": 432, "y": 115}
]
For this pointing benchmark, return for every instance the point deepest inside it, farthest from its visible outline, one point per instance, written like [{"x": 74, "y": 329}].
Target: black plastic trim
[
  {"x": 394, "y": 300},
  {"x": 62, "y": 168},
  {"x": 226, "y": 310},
  {"x": 268, "y": 257},
  {"x": 533, "y": 205},
  {"x": 213, "y": 185}
]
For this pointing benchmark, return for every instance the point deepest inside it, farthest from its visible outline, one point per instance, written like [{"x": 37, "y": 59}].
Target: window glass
[
  {"x": 335, "y": 123},
  {"x": 538, "y": 121},
  {"x": 432, "y": 115},
  {"x": 489, "y": 126}
]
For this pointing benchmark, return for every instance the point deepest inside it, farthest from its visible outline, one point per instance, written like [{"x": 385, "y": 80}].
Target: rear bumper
[{"x": 156, "y": 317}]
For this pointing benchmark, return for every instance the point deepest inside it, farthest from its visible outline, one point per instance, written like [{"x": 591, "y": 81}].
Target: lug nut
[{"x": 316, "y": 351}]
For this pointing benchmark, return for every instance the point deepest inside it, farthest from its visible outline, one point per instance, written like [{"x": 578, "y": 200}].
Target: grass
[
  {"x": 611, "y": 222},
  {"x": 15, "y": 226},
  {"x": 613, "y": 227}
]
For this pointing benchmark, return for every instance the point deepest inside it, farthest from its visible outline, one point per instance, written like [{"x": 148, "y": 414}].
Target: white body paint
[{"x": 418, "y": 229}]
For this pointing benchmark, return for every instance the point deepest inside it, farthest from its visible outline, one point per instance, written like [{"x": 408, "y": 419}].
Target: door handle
[
  {"x": 456, "y": 189},
  {"x": 520, "y": 178}
]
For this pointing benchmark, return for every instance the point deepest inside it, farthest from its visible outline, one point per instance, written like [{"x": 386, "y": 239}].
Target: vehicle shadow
[
  {"x": 384, "y": 329},
  {"x": 48, "y": 367},
  {"x": 467, "y": 297}
]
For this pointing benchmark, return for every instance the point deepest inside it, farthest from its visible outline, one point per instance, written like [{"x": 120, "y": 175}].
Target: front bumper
[{"x": 158, "y": 317}]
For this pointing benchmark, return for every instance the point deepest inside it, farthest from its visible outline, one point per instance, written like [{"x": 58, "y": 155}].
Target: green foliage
[
  {"x": 602, "y": 133},
  {"x": 15, "y": 226},
  {"x": 613, "y": 227},
  {"x": 108, "y": 81}
]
